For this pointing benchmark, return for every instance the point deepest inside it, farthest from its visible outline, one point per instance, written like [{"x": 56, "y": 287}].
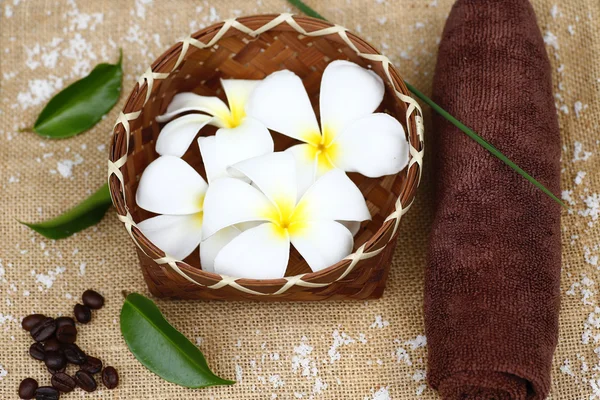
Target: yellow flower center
[
  {"x": 287, "y": 218},
  {"x": 323, "y": 148}
]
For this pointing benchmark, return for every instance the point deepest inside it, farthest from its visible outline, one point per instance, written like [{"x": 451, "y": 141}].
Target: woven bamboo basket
[{"x": 252, "y": 48}]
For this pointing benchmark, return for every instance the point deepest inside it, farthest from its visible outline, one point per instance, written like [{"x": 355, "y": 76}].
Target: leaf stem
[{"x": 468, "y": 131}]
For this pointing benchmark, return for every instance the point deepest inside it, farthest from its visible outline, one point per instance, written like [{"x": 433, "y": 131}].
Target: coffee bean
[
  {"x": 47, "y": 393},
  {"x": 82, "y": 313},
  {"x": 92, "y": 299},
  {"x": 62, "y": 321},
  {"x": 43, "y": 330},
  {"x": 74, "y": 354},
  {"x": 85, "y": 381},
  {"x": 32, "y": 320},
  {"x": 36, "y": 351},
  {"x": 56, "y": 371},
  {"x": 52, "y": 345},
  {"x": 110, "y": 378},
  {"x": 27, "y": 388},
  {"x": 92, "y": 365},
  {"x": 63, "y": 382},
  {"x": 66, "y": 334},
  {"x": 55, "y": 360}
]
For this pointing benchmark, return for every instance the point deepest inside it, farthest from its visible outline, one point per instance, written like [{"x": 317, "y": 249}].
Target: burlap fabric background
[{"x": 364, "y": 350}]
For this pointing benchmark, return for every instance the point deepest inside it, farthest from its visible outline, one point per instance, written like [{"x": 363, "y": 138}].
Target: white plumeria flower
[
  {"x": 351, "y": 136},
  {"x": 239, "y": 137},
  {"x": 310, "y": 223},
  {"x": 171, "y": 187}
]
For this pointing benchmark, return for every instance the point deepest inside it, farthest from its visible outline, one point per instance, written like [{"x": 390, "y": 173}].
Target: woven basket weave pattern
[{"x": 252, "y": 48}]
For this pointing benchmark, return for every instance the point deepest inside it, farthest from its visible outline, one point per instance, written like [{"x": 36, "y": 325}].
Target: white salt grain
[
  {"x": 379, "y": 322},
  {"x": 551, "y": 40},
  {"x": 339, "y": 340},
  {"x": 579, "y": 154},
  {"x": 48, "y": 279}
]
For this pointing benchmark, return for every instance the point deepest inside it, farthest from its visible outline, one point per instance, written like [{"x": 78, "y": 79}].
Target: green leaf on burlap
[
  {"x": 87, "y": 213},
  {"x": 163, "y": 349},
  {"x": 82, "y": 104}
]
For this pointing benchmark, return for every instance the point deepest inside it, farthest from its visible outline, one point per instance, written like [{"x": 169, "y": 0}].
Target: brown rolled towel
[{"x": 492, "y": 282}]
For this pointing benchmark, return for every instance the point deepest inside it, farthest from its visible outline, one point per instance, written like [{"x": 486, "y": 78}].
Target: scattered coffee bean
[
  {"x": 74, "y": 354},
  {"x": 27, "y": 388},
  {"x": 83, "y": 313},
  {"x": 92, "y": 365},
  {"x": 36, "y": 351},
  {"x": 32, "y": 320},
  {"x": 62, "y": 321},
  {"x": 56, "y": 371},
  {"x": 66, "y": 334},
  {"x": 43, "y": 330},
  {"x": 55, "y": 345},
  {"x": 52, "y": 345},
  {"x": 85, "y": 381},
  {"x": 110, "y": 378},
  {"x": 47, "y": 393},
  {"x": 63, "y": 382},
  {"x": 92, "y": 299},
  {"x": 55, "y": 360}
]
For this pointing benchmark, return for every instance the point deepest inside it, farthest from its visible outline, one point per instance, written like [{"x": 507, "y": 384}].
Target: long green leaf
[
  {"x": 85, "y": 214},
  {"x": 306, "y": 9},
  {"x": 486, "y": 145},
  {"x": 82, "y": 104},
  {"x": 469, "y": 132},
  {"x": 161, "y": 348}
]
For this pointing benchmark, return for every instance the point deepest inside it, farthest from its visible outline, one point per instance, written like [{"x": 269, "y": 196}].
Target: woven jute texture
[{"x": 334, "y": 350}]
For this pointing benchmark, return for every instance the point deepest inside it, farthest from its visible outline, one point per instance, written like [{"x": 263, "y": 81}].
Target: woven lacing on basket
[{"x": 150, "y": 76}]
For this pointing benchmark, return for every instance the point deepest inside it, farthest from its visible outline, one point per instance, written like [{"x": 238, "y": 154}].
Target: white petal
[
  {"x": 258, "y": 253},
  {"x": 333, "y": 197},
  {"x": 275, "y": 175},
  {"x": 176, "y": 136},
  {"x": 250, "y": 139},
  {"x": 169, "y": 185},
  {"x": 237, "y": 92},
  {"x": 176, "y": 235},
  {"x": 352, "y": 226},
  {"x": 322, "y": 243},
  {"x": 348, "y": 92},
  {"x": 188, "y": 101},
  {"x": 213, "y": 245},
  {"x": 281, "y": 103},
  {"x": 230, "y": 201},
  {"x": 306, "y": 166},
  {"x": 214, "y": 166},
  {"x": 373, "y": 146}
]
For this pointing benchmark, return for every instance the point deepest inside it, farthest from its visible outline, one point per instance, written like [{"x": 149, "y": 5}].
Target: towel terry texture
[{"x": 492, "y": 284}]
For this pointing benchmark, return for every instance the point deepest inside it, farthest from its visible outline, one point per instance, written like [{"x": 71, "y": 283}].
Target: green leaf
[
  {"x": 82, "y": 104},
  {"x": 85, "y": 214},
  {"x": 485, "y": 144},
  {"x": 469, "y": 132},
  {"x": 161, "y": 348},
  {"x": 306, "y": 9}
]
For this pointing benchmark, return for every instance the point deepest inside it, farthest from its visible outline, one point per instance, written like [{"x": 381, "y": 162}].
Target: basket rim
[{"x": 267, "y": 22}]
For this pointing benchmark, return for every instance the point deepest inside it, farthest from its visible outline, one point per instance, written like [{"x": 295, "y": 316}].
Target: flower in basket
[
  {"x": 281, "y": 218},
  {"x": 351, "y": 136},
  {"x": 239, "y": 136},
  {"x": 171, "y": 188}
]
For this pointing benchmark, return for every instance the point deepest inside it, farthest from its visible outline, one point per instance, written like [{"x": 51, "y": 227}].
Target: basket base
[{"x": 360, "y": 284}]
